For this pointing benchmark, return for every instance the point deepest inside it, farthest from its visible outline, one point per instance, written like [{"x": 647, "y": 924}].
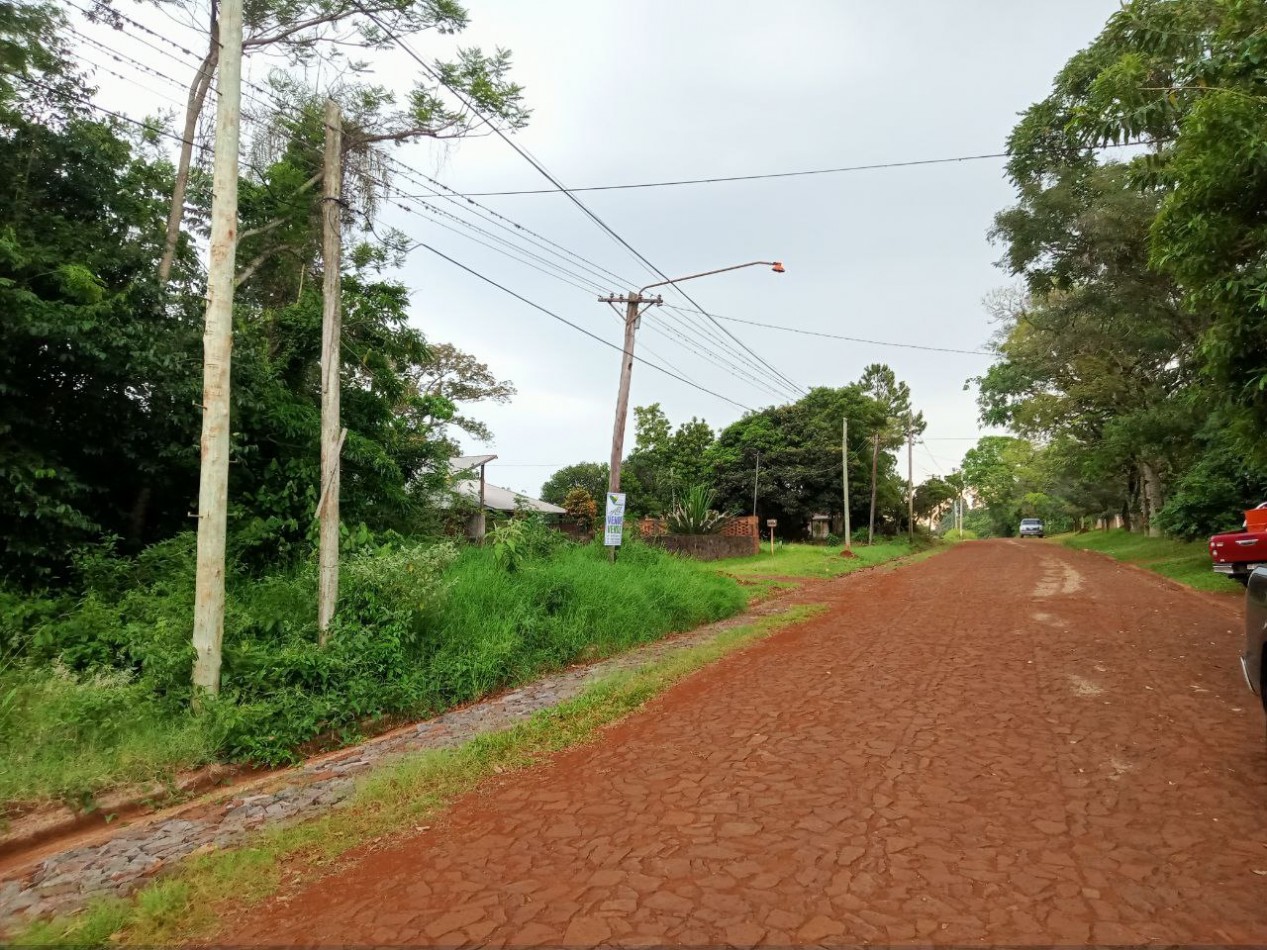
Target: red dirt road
[{"x": 1008, "y": 743}]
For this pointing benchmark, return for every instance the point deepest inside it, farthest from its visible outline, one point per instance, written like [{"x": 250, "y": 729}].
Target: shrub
[
  {"x": 694, "y": 514},
  {"x": 98, "y": 692}
]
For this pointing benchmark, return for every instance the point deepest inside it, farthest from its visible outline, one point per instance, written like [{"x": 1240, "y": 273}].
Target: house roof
[
  {"x": 503, "y": 499},
  {"x": 465, "y": 464}
]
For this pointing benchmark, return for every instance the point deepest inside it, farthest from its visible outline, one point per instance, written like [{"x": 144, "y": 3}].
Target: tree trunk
[
  {"x": 198, "y": 90},
  {"x": 1152, "y": 498},
  {"x": 875, "y": 462}
]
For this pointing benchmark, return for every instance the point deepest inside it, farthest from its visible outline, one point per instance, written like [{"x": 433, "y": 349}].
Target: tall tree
[
  {"x": 96, "y": 397},
  {"x": 302, "y": 31},
  {"x": 590, "y": 477},
  {"x": 1186, "y": 79}
]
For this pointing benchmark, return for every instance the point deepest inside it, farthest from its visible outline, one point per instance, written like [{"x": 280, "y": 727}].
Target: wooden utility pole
[
  {"x": 633, "y": 302},
  {"x": 875, "y": 463},
  {"x": 331, "y": 364},
  {"x": 910, "y": 484},
  {"x": 217, "y": 353},
  {"x": 844, "y": 473}
]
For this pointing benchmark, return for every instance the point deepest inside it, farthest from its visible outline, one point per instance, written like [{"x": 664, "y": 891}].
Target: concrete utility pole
[
  {"x": 910, "y": 484},
  {"x": 635, "y": 303},
  {"x": 844, "y": 472},
  {"x": 217, "y": 353},
  {"x": 331, "y": 364},
  {"x": 875, "y": 463}
]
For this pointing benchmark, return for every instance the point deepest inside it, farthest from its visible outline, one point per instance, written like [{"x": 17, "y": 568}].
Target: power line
[
  {"x": 768, "y": 175},
  {"x": 541, "y": 169},
  {"x": 453, "y": 196},
  {"x": 720, "y": 361},
  {"x": 852, "y": 339},
  {"x": 577, "y": 327},
  {"x": 759, "y": 177}
]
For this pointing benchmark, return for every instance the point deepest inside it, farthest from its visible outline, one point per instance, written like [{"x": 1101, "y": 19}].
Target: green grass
[
  {"x": 97, "y": 695},
  {"x": 186, "y": 904},
  {"x": 68, "y": 736},
  {"x": 811, "y": 561},
  {"x": 1187, "y": 562}
]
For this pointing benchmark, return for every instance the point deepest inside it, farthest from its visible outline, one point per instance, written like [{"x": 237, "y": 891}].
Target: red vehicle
[{"x": 1237, "y": 553}]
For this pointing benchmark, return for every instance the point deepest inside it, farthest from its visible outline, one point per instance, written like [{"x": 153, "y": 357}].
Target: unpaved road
[{"x": 1008, "y": 743}]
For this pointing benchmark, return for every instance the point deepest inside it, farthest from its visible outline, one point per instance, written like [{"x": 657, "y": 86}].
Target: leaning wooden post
[
  {"x": 331, "y": 364},
  {"x": 217, "y": 353}
]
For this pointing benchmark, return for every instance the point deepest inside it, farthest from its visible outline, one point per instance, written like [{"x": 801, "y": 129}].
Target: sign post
[
  {"x": 772, "y": 523},
  {"x": 614, "y": 522}
]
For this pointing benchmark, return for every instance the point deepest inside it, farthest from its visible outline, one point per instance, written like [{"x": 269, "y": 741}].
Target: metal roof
[
  {"x": 503, "y": 499},
  {"x": 468, "y": 463}
]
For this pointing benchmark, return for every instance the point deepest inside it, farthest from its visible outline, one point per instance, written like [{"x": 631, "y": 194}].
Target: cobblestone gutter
[{"x": 67, "y": 880}]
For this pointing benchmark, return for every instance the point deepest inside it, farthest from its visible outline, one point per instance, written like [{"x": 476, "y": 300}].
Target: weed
[{"x": 185, "y": 906}]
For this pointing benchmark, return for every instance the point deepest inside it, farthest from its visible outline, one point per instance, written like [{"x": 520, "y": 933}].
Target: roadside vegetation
[
  {"x": 814, "y": 561},
  {"x": 1131, "y": 351},
  {"x": 95, "y": 691},
  {"x": 185, "y": 905},
  {"x": 1187, "y": 562}
]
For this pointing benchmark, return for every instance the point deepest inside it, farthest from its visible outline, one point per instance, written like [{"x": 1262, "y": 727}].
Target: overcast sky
[{"x": 651, "y": 90}]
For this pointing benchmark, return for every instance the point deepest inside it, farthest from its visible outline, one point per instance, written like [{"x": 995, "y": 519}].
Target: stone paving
[
  {"x": 67, "y": 880},
  {"x": 1009, "y": 744}
]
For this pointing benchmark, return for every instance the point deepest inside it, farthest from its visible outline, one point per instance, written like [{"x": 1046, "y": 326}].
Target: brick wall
[
  {"x": 706, "y": 547},
  {"x": 744, "y": 526}
]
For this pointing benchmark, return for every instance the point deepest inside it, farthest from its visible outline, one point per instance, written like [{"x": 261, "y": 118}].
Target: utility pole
[
  {"x": 875, "y": 462},
  {"x": 756, "y": 477},
  {"x": 331, "y": 364},
  {"x": 217, "y": 354},
  {"x": 844, "y": 472},
  {"x": 633, "y": 302},
  {"x": 910, "y": 483}
]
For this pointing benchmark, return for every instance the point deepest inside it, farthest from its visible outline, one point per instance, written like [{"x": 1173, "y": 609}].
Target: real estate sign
[{"x": 615, "y": 521}]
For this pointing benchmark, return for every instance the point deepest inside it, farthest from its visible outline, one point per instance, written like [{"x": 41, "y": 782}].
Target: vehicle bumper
[
  {"x": 1249, "y": 680},
  {"x": 1235, "y": 570}
]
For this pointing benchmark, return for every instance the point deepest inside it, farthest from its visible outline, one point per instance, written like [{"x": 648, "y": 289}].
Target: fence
[{"x": 739, "y": 537}]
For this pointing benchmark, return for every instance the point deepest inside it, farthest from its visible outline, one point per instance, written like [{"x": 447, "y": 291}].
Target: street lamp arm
[{"x": 776, "y": 266}]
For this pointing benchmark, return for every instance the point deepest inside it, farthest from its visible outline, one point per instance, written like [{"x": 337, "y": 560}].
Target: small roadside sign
[
  {"x": 614, "y": 524},
  {"x": 772, "y": 522}
]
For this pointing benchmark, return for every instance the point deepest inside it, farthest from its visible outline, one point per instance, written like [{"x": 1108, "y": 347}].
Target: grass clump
[
  {"x": 187, "y": 905},
  {"x": 1187, "y": 562},
  {"x": 96, "y": 691},
  {"x": 813, "y": 561}
]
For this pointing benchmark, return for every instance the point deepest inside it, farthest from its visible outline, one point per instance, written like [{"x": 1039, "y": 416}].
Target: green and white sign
[{"x": 614, "y": 524}]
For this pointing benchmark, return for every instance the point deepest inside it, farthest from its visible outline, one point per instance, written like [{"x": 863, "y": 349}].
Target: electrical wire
[
  {"x": 577, "y": 327},
  {"x": 769, "y": 175},
  {"x": 453, "y": 196},
  {"x": 683, "y": 341},
  {"x": 541, "y": 169},
  {"x": 853, "y": 339}
]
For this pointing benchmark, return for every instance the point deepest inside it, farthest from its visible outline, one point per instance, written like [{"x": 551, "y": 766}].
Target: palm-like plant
[{"x": 694, "y": 514}]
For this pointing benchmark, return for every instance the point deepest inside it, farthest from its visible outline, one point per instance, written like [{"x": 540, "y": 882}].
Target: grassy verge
[
  {"x": 95, "y": 694},
  {"x": 187, "y": 904},
  {"x": 1187, "y": 562},
  {"x": 811, "y": 561}
]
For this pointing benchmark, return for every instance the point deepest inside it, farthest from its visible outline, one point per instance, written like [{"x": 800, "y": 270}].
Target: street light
[{"x": 634, "y": 302}]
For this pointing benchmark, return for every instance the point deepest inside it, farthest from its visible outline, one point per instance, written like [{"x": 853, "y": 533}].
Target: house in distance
[{"x": 470, "y": 482}]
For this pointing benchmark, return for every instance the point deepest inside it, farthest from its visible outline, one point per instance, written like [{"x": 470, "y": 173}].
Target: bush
[
  {"x": 694, "y": 514},
  {"x": 98, "y": 691}
]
